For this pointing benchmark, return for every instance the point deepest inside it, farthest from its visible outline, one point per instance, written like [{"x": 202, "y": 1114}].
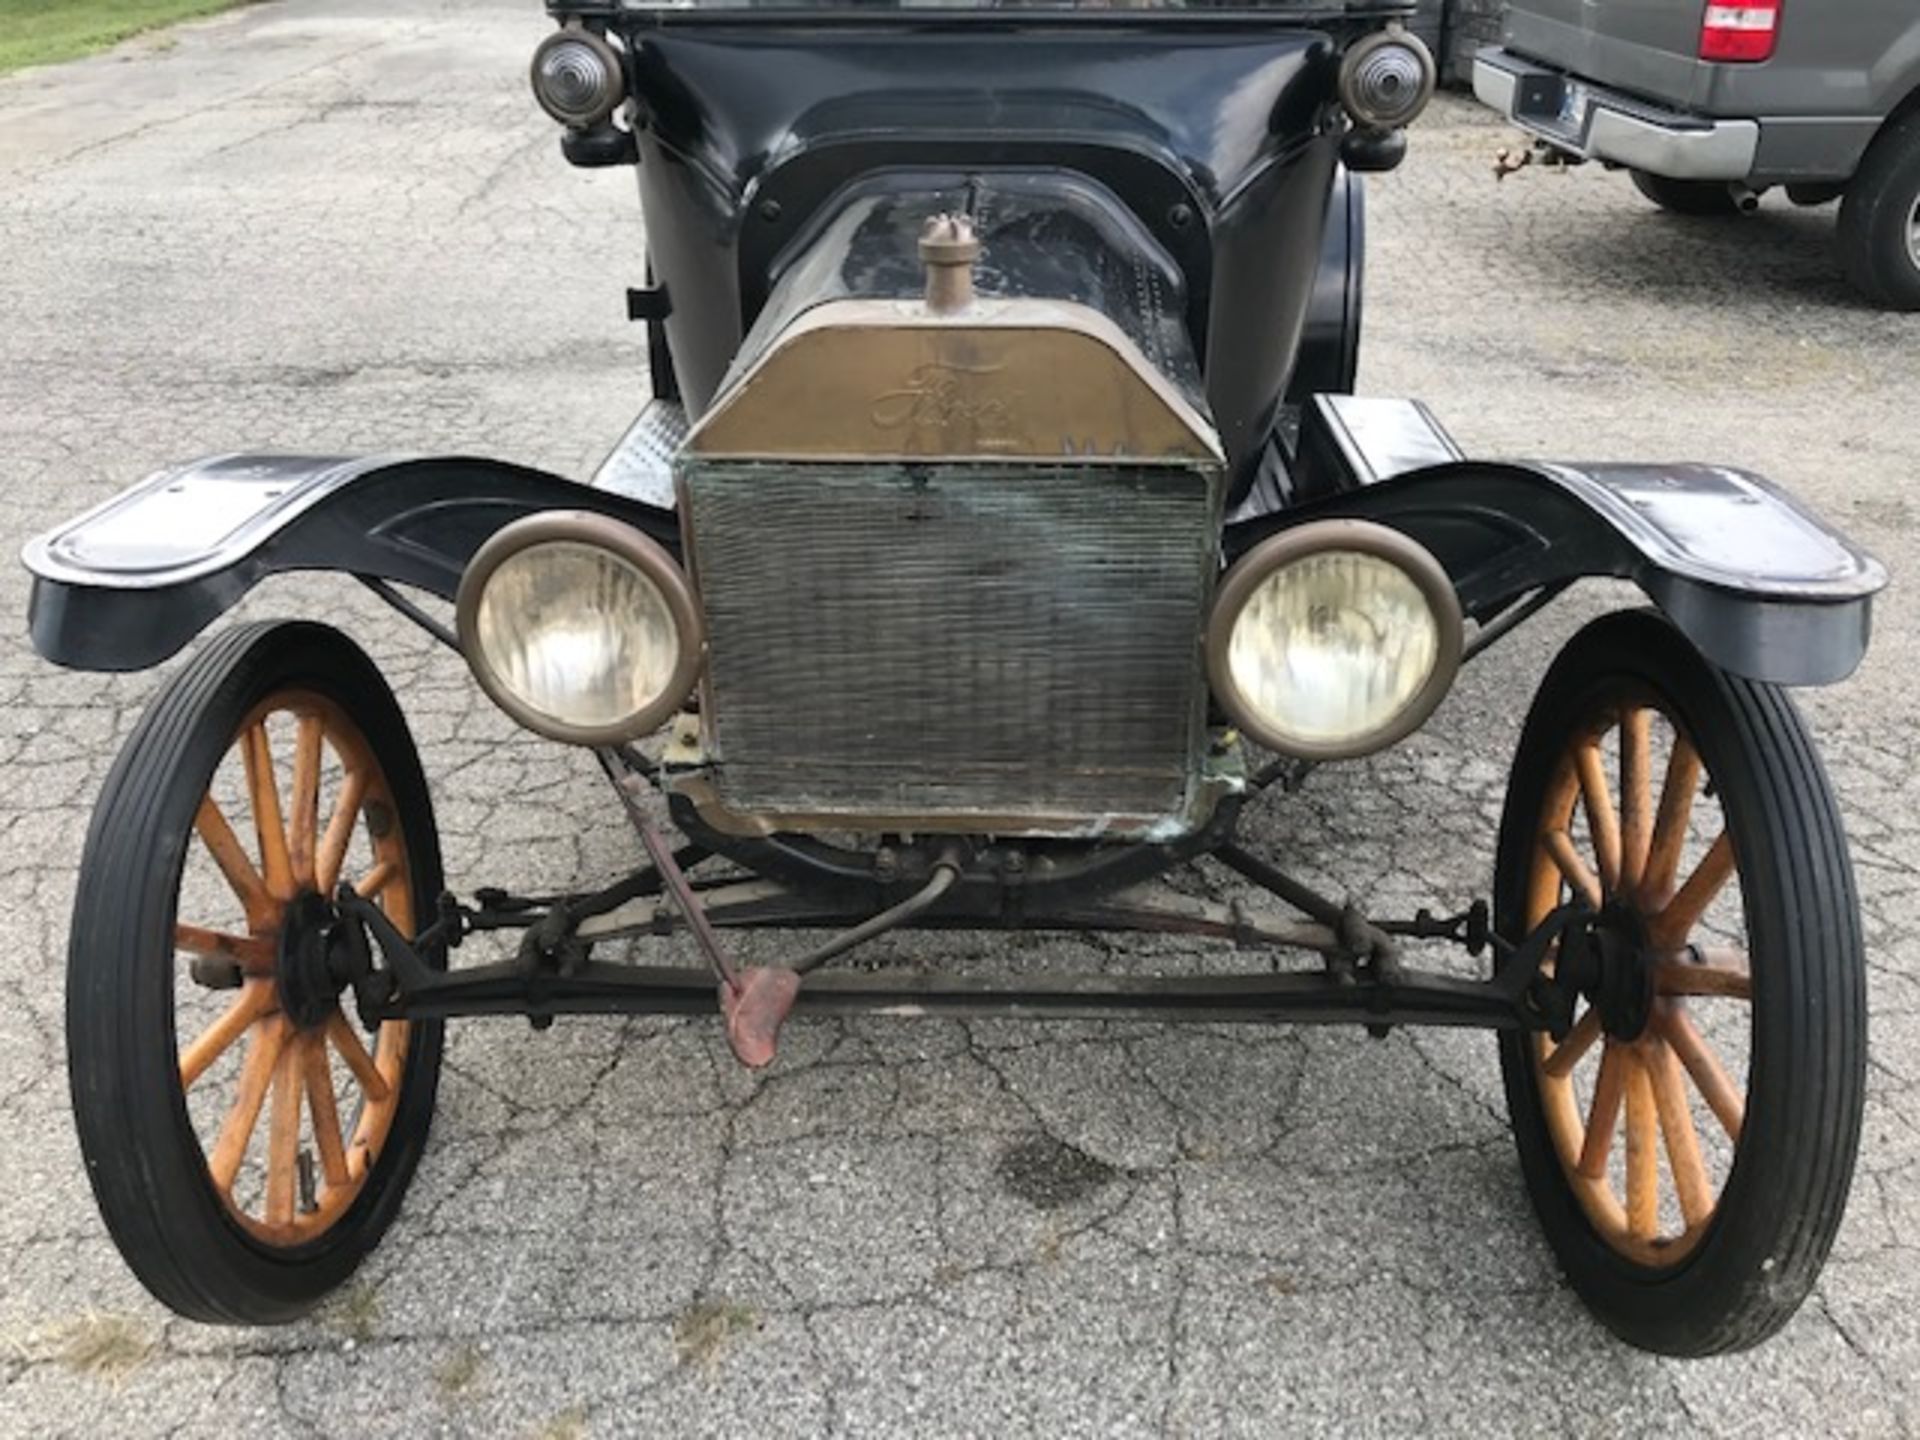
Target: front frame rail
[
  {"x": 1353, "y": 987},
  {"x": 600, "y": 987}
]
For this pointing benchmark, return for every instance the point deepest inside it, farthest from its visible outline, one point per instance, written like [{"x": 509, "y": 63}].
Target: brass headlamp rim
[
  {"x": 1320, "y": 537},
  {"x": 625, "y": 543}
]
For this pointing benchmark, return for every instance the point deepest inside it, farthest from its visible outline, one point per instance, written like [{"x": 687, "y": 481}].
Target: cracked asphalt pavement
[{"x": 345, "y": 227}]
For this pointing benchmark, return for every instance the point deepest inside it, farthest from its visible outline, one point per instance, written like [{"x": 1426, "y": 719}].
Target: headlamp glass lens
[
  {"x": 1333, "y": 647},
  {"x": 577, "y": 633}
]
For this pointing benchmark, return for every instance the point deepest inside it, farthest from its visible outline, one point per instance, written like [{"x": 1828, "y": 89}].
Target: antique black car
[{"x": 1002, "y": 528}]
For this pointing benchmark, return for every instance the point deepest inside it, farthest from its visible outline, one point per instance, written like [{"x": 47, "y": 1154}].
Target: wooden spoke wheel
[
  {"x": 248, "y": 1141},
  {"x": 302, "y": 1063},
  {"x": 1622, "y": 1091},
  {"x": 1689, "y": 1142}
]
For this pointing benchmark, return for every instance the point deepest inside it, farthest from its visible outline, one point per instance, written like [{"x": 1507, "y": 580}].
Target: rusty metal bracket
[{"x": 753, "y": 1003}]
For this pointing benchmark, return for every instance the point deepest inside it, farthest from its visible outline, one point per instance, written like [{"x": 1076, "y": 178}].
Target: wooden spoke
[
  {"x": 256, "y": 1077},
  {"x": 1717, "y": 972},
  {"x": 341, "y": 1033},
  {"x": 1703, "y": 1064},
  {"x": 1638, "y": 836},
  {"x": 1676, "y": 1128},
  {"x": 217, "y": 835},
  {"x": 1579, "y": 1040},
  {"x": 1601, "y": 819},
  {"x": 263, "y": 787},
  {"x": 1643, "y": 1157},
  {"x": 1675, "y": 922},
  {"x": 1670, "y": 824},
  {"x": 323, "y": 1110},
  {"x": 376, "y": 879},
  {"x": 393, "y": 1050},
  {"x": 283, "y": 1134},
  {"x": 1561, "y": 848},
  {"x": 1604, "y": 1115},
  {"x": 303, "y": 817},
  {"x": 256, "y": 998},
  {"x": 1636, "y": 794},
  {"x": 253, "y": 953},
  {"x": 333, "y": 845},
  {"x": 306, "y": 1137}
]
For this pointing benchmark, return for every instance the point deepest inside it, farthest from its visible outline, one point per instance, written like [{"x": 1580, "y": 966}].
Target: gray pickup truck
[{"x": 1709, "y": 104}]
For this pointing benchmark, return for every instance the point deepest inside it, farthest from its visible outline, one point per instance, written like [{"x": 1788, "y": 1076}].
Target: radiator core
[{"x": 975, "y": 645}]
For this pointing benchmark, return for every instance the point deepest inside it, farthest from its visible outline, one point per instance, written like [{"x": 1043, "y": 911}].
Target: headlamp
[
  {"x": 1333, "y": 639},
  {"x": 579, "y": 627}
]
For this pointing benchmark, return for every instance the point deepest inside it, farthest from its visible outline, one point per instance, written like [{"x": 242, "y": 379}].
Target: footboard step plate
[
  {"x": 1347, "y": 441},
  {"x": 641, "y": 465}
]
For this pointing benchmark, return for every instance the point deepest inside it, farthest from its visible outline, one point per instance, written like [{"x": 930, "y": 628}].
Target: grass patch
[
  {"x": 569, "y": 1424},
  {"x": 702, "y": 1330},
  {"x": 107, "y": 1347},
  {"x": 45, "y": 32},
  {"x": 355, "y": 1313},
  {"x": 458, "y": 1373}
]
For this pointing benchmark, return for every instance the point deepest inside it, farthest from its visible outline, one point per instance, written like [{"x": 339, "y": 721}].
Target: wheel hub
[
  {"x": 308, "y": 973},
  {"x": 1610, "y": 961}
]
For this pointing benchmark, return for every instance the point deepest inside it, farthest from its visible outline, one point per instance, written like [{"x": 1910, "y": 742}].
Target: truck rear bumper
[{"x": 1596, "y": 123}]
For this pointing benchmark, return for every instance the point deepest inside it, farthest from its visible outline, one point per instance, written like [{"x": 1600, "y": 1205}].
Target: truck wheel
[
  {"x": 1689, "y": 1144},
  {"x": 1686, "y": 197},
  {"x": 247, "y": 1142},
  {"x": 1880, "y": 219}
]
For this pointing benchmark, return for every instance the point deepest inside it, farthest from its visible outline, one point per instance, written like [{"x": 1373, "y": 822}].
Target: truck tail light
[{"x": 1742, "y": 33}]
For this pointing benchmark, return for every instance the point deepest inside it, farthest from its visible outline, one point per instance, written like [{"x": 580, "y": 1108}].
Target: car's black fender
[
  {"x": 1757, "y": 582},
  {"x": 128, "y": 583},
  {"x": 1761, "y": 585}
]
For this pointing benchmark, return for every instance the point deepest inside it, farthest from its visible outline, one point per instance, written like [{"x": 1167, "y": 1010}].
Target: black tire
[
  {"x": 1879, "y": 234},
  {"x": 1686, "y": 197},
  {"x": 1750, "y": 1262},
  {"x": 144, "y": 1156}
]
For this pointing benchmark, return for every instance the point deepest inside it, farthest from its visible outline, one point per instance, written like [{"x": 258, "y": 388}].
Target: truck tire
[
  {"x": 1686, "y": 197},
  {"x": 1880, "y": 219}
]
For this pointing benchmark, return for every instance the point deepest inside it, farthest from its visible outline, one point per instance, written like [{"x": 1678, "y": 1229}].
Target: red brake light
[{"x": 1743, "y": 31}]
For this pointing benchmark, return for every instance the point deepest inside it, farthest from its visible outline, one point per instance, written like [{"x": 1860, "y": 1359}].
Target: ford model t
[{"x": 1001, "y": 530}]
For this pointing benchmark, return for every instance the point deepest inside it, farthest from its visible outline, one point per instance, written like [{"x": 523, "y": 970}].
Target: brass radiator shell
[{"x": 955, "y": 569}]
